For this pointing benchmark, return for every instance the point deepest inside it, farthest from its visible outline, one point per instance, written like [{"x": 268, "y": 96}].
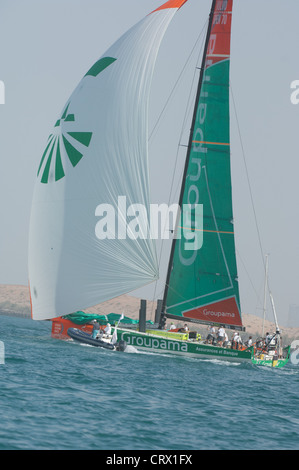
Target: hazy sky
[{"x": 47, "y": 46}]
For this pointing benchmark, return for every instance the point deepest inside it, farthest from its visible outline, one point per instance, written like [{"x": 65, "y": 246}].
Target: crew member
[
  {"x": 221, "y": 335},
  {"x": 95, "y": 329}
]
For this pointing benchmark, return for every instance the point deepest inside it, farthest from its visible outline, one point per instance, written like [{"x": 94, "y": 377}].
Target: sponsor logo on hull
[
  {"x": 166, "y": 345},
  {"x": 154, "y": 343}
]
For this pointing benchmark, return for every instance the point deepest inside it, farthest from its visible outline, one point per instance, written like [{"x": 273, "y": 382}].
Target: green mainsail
[{"x": 202, "y": 280}]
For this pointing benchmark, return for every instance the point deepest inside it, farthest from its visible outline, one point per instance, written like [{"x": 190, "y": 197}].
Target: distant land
[{"x": 15, "y": 301}]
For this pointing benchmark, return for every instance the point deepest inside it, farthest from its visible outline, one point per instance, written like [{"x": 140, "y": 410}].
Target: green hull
[
  {"x": 269, "y": 362},
  {"x": 177, "y": 343},
  {"x": 170, "y": 344}
]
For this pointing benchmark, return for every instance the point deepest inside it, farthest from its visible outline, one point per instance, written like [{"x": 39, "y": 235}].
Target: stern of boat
[
  {"x": 264, "y": 359},
  {"x": 60, "y": 327}
]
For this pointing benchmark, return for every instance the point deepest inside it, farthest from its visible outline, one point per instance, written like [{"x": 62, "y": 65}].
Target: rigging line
[
  {"x": 186, "y": 111},
  {"x": 269, "y": 291},
  {"x": 251, "y": 195},
  {"x": 248, "y": 179},
  {"x": 250, "y": 280},
  {"x": 177, "y": 81}
]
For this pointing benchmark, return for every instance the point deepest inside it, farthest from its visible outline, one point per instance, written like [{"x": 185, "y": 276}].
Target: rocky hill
[{"x": 15, "y": 300}]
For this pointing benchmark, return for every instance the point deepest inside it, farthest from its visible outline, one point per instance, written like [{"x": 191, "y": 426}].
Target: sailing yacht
[{"x": 95, "y": 155}]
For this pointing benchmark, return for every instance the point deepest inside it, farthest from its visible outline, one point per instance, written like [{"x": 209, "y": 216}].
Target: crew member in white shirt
[
  {"x": 238, "y": 340},
  {"x": 210, "y": 336},
  {"x": 225, "y": 340},
  {"x": 221, "y": 335}
]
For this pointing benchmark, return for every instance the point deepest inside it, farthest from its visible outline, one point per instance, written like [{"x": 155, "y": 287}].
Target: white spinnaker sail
[{"x": 96, "y": 153}]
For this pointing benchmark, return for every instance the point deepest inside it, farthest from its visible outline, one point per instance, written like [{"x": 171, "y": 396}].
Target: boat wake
[
  {"x": 223, "y": 363},
  {"x": 130, "y": 349}
]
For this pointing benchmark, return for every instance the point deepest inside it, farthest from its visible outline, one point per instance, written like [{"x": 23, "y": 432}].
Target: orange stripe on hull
[{"x": 171, "y": 4}]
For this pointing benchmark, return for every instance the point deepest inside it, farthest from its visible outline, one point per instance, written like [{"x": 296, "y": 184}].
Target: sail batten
[{"x": 202, "y": 283}]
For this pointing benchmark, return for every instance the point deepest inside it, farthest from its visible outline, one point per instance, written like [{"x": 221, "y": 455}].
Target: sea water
[{"x": 63, "y": 395}]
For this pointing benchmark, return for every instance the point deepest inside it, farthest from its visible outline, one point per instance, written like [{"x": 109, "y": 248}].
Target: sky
[{"x": 46, "y": 48}]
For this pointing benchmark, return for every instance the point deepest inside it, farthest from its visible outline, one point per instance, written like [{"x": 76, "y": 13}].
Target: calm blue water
[{"x": 60, "y": 395}]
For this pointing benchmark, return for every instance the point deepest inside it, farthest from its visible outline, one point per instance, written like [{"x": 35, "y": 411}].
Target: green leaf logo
[
  {"x": 53, "y": 149},
  {"x": 68, "y": 140}
]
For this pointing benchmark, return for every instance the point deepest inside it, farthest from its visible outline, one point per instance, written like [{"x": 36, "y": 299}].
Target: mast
[
  {"x": 274, "y": 311},
  {"x": 265, "y": 295},
  {"x": 267, "y": 288},
  {"x": 162, "y": 319}
]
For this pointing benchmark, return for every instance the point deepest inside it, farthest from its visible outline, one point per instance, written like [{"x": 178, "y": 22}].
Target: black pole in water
[
  {"x": 158, "y": 311},
  {"x": 142, "y": 316}
]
